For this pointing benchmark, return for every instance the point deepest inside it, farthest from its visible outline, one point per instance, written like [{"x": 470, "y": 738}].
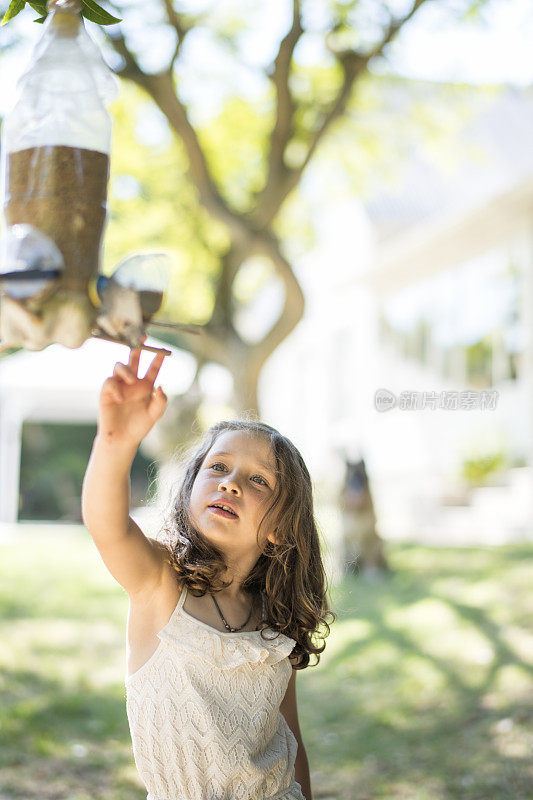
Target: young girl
[{"x": 221, "y": 618}]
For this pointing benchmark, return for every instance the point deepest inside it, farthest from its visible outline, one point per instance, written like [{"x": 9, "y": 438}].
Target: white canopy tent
[{"x": 63, "y": 386}]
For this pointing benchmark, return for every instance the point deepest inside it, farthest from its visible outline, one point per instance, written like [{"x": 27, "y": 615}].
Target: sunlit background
[{"x": 414, "y": 263}]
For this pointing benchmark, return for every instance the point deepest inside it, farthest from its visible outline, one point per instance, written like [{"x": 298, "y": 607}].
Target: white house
[{"x": 425, "y": 287}]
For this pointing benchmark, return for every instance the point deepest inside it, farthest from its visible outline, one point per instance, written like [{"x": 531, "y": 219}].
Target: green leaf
[
  {"x": 95, "y": 13},
  {"x": 39, "y": 6},
  {"x": 15, "y": 7},
  {"x": 91, "y": 10}
]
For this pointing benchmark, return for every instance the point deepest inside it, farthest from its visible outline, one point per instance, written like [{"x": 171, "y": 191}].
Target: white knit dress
[{"x": 204, "y": 715}]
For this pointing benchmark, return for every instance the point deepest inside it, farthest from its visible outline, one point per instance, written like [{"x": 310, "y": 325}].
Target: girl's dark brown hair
[{"x": 290, "y": 572}]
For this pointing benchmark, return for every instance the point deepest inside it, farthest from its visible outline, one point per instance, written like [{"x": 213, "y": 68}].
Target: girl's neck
[{"x": 234, "y": 594}]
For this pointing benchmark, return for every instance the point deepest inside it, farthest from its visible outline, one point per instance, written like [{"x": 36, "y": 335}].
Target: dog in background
[{"x": 363, "y": 547}]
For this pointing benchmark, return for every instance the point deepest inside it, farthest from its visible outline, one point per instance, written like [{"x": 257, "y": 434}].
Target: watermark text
[{"x": 410, "y": 400}]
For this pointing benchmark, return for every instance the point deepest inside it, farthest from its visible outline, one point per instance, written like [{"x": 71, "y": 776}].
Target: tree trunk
[{"x": 245, "y": 387}]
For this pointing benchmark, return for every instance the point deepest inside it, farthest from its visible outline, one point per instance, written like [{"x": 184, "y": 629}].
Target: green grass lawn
[{"x": 424, "y": 691}]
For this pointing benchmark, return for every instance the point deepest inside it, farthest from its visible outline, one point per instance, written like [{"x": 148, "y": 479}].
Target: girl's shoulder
[
  {"x": 169, "y": 577},
  {"x": 166, "y": 592}
]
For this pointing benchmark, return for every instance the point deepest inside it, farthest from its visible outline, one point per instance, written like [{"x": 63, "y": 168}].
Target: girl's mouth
[{"x": 221, "y": 512}]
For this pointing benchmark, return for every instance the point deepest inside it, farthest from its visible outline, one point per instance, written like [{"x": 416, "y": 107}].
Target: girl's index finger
[
  {"x": 154, "y": 368},
  {"x": 135, "y": 354},
  {"x": 133, "y": 363}
]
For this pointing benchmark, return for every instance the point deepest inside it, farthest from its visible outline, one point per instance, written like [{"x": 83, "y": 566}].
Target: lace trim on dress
[{"x": 208, "y": 644}]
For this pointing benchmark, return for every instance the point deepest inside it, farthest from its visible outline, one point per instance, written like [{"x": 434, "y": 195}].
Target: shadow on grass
[
  {"x": 59, "y": 742},
  {"x": 398, "y": 709}
]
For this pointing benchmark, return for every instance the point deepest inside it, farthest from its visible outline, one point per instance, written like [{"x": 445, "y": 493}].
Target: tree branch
[
  {"x": 224, "y": 344},
  {"x": 353, "y": 64},
  {"x": 160, "y": 87},
  {"x": 294, "y": 304},
  {"x": 282, "y": 130},
  {"x": 207, "y": 345},
  {"x": 178, "y": 23},
  {"x": 394, "y": 27},
  {"x": 222, "y": 316},
  {"x": 131, "y": 69}
]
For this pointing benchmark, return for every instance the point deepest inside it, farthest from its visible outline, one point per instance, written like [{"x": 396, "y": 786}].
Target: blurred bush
[
  {"x": 53, "y": 462},
  {"x": 477, "y": 470}
]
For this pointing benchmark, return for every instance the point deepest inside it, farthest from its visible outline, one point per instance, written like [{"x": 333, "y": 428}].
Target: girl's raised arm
[{"x": 129, "y": 407}]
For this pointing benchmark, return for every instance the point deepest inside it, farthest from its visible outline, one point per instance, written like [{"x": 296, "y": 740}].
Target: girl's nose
[{"x": 229, "y": 485}]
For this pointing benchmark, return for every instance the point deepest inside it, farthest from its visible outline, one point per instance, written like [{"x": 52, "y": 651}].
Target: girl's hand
[{"x": 129, "y": 405}]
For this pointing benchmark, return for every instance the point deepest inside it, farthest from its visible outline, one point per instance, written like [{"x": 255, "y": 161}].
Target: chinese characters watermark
[{"x": 410, "y": 400}]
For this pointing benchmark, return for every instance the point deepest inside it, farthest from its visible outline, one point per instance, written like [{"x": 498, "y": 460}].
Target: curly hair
[{"x": 290, "y": 572}]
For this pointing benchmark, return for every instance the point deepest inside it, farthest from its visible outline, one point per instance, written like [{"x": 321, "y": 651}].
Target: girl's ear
[{"x": 272, "y": 537}]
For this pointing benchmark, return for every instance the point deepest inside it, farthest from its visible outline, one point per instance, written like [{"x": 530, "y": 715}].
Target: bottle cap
[
  {"x": 64, "y": 5},
  {"x": 65, "y": 16}
]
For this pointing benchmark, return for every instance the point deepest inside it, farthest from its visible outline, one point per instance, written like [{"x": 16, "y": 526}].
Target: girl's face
[{"x": 238, "y": 471}]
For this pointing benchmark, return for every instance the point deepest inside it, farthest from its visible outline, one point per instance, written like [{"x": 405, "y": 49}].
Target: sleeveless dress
[{"x": 204, "y": 716}]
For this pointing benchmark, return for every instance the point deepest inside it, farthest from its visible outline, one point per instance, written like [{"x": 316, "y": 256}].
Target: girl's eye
[{"x": 214, "y": 466}]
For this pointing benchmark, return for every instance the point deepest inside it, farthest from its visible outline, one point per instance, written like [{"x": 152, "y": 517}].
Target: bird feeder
[{"x": 55, "y": 168}]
